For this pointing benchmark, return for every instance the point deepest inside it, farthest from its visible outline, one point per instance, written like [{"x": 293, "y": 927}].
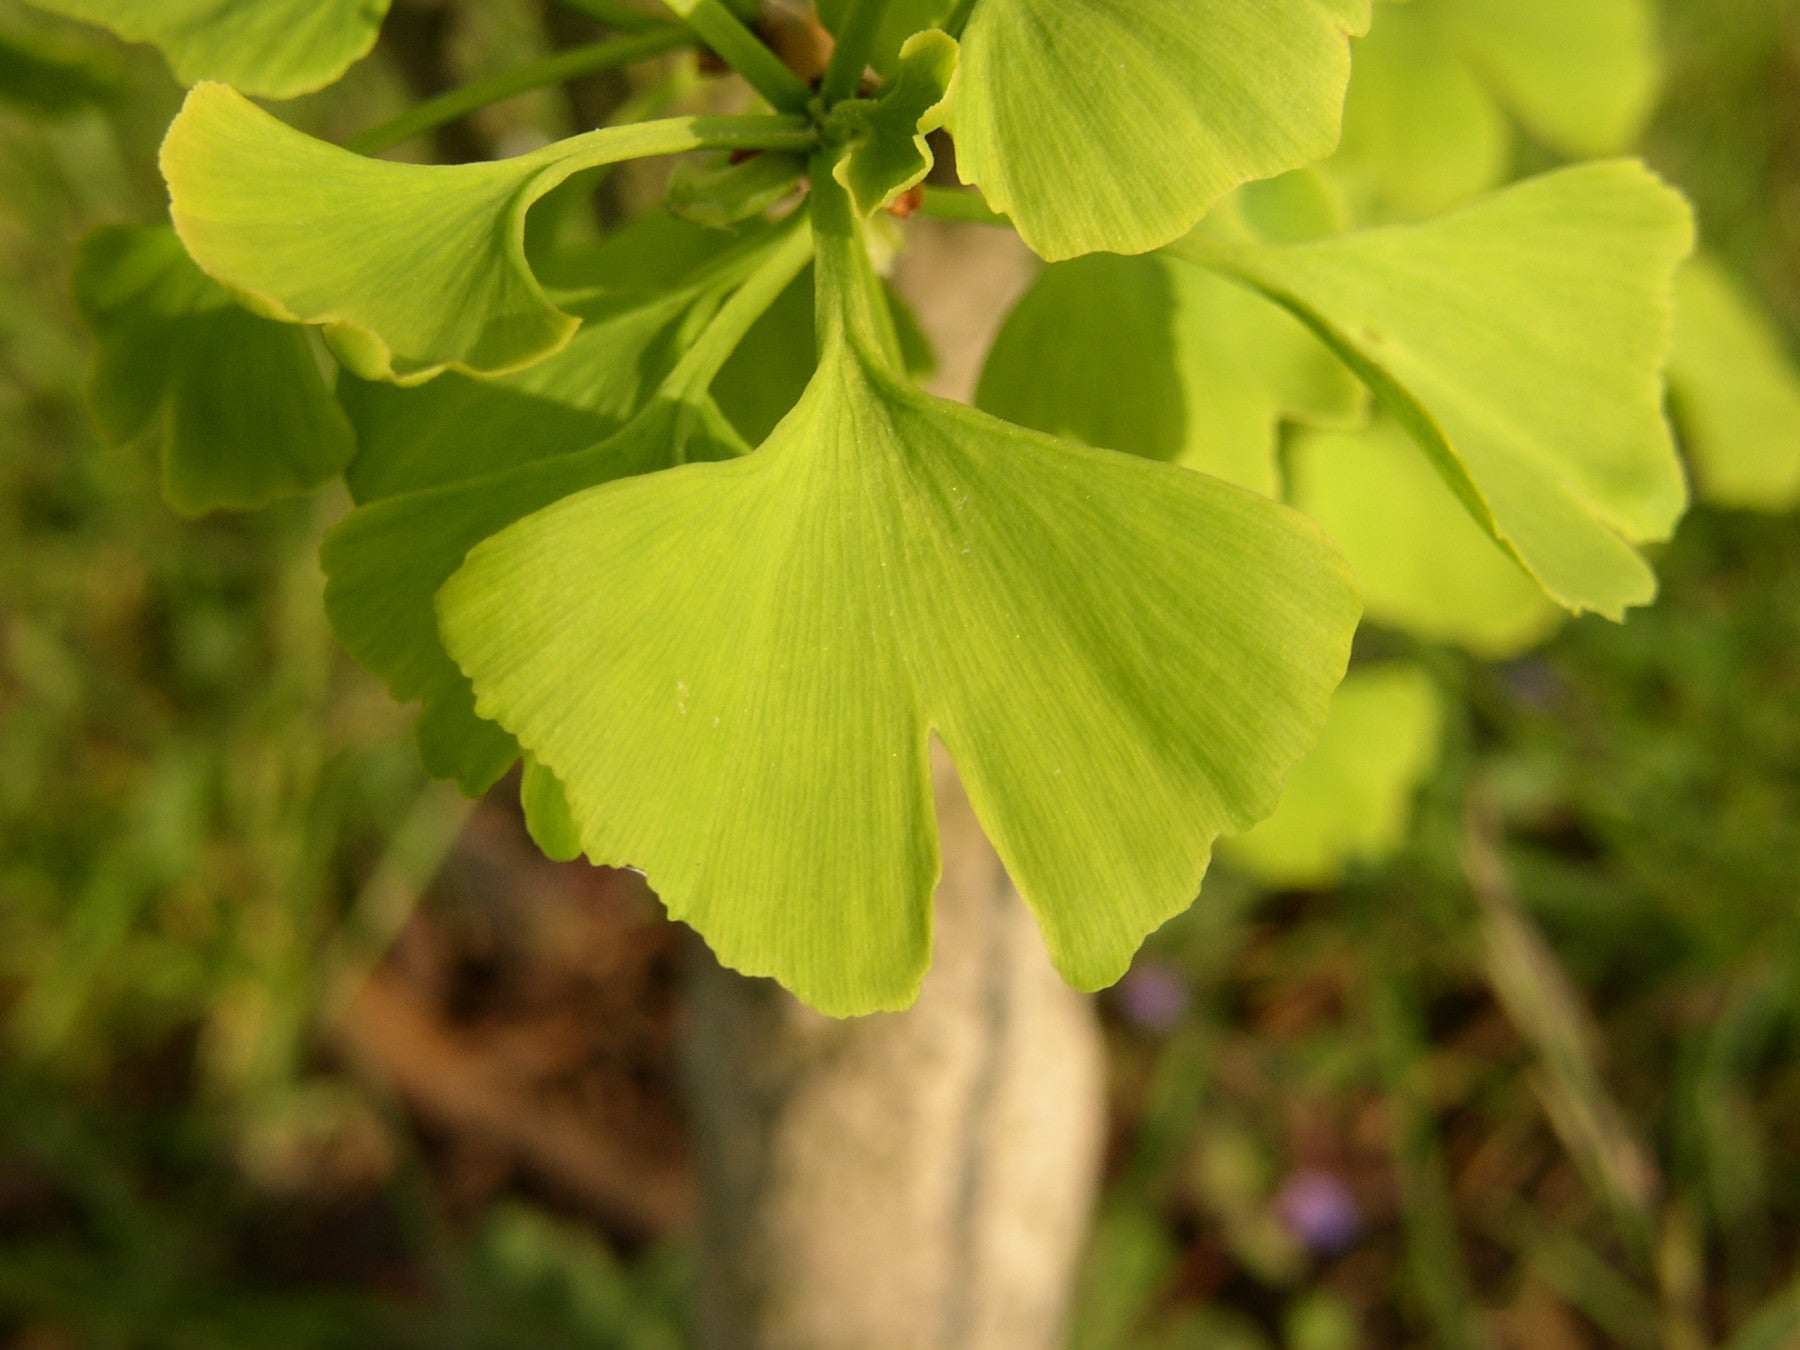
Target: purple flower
[
  {"x": 1153, "y": 996},
  {"x": 1320, "y": 1211}
]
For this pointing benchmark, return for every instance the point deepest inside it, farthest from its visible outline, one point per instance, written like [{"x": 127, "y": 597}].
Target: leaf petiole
[
  {"x": 671, "y": 136},
  {"x": 554, "y": 69},
  {"x": 852, "y": 307},
  {"x": 744, "y": 52},
  {"x": 850, "y": 57}
]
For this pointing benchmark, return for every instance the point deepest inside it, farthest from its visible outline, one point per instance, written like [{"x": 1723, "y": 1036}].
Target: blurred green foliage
[
  {"x": 1534, "y": 1082},
  {"x": 1545, "y": 1058},
  {"x": 194, "y": 790}
]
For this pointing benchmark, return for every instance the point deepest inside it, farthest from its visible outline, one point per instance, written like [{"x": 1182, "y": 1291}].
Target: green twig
[
  {"x": 744, "y": 52},
  {"x": 850, "y": 57},
  {"x": 549, "y": 70},
  {"x": 963, "y": 207},
  {"x": 619, "y": 14}
]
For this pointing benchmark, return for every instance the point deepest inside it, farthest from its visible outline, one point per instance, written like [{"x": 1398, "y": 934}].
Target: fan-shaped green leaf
[
  {"x": 1113, "y": 125},
  {"x": 1736, "y": 394},
  {"x": 1299, "y": 206},
  {"x": 1422, "y": 564},
  {"x": 1350, "y": 801},
  {"x": 239, "y": 405},
  {"x": 734, "y": 668},
  {"x": 633, "y": 329},
  {"x": 385, "y": 562},
  {"x": 886, "y": 135},
  {"x": 270, "y": 48},
  {"x": 1522, "y": 341},
  {"x": 1147, "y": 356},
  {"x": 1583, "y": 77},
  {"x": 412, "y": 269},
  {"x": 1422, "y": 132},
  {"x": 1088, "y": 354}
]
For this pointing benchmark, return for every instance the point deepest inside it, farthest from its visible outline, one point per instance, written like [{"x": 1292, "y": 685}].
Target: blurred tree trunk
[
  {"x": 904, "y": 1180},
  {"x": 921, "y": 1179}
]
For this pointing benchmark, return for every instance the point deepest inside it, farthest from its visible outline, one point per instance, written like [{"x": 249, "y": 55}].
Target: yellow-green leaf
[
  {"x": 1422, "y": 563},
  {"x": 1148, "y": 356},
  {"x": 1422, "y": 132},
  {"x": 885, "y": 135},
  {"x": 1114, "y": 125},
  {"x": 734, "y": 669},
  {"x": 412, "y": 269},
  {"x": 547, "y": 816},
  {"x": 385, "y": 562},
  {"x": 1581, "y": 74},
  {"x": 1736, "y": 394},
  {"x": 642, "y": 293},
  {"x": 1522, "y": 341},
  {"x": 270, "y": 48}
]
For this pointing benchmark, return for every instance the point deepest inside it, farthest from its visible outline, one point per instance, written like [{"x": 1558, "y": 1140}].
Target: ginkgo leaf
[
  {"x": 1088, "y": 354},
  {"x": 886, "y": 135},
  {"x": 1522, "y": 341},
  {"x": 1235, "y": 350},
  {"x": 1422, "y": 563},
  {"x": 1144, "y": 355},
  {"x": 1736, "y": 394},
  {"x": 385, "y": 562},
  {"x": 239, "y": 405},
  {"x": 1583, "y": 77},
  {"x": 457, "y": 426},
  {"x": 412, "y": 269},
  {"x": 1350, "y": 801},
  {"x": 270, "y": 48},
  {"x": 900, "y": 19},
  {"x": 1300, "y": 205},
  {"x": 734, "y": 668},
  {"x": 1422, "y": 132},
  {"x": 1114, "y": 125}
]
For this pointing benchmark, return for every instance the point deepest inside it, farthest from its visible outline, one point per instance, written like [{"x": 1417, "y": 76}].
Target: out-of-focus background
[{"x": 300, "y": 1050}]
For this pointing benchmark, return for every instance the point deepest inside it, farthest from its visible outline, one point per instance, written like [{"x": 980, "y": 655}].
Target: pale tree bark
[
  {"x": 921, "y": 1180},
  {"x": 901, "y": 1181}
]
